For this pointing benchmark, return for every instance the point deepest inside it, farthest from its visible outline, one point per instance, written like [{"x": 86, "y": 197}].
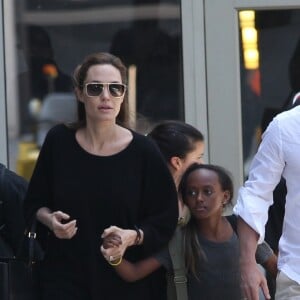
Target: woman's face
[
  {"x": 204, "y": 194},
  {"x": 103, "y": 107}
]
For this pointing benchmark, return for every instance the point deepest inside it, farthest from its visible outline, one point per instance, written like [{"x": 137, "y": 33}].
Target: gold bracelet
[{"x": 114, "y": 264}]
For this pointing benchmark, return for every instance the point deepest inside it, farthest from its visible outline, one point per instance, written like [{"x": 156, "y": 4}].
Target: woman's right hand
[
  {"x": 57, "y": 222},
  {"x": 60, "y": 227}
]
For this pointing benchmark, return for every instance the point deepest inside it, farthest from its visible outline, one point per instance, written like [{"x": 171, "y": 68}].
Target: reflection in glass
[
  {"x": 41, "y": 77},
  {"x": 53, "y": 36},
  {"x": 269, "y": 86}
]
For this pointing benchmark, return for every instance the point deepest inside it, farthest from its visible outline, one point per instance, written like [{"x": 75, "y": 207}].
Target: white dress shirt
[{"x": 278, "y": 155}]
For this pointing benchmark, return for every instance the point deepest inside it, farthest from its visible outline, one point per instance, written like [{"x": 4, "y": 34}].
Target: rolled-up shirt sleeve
[{"x": 266, "y": 169}]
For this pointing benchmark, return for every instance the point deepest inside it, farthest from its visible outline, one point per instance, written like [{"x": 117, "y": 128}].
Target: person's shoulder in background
[
  {"x": 12, "y": 182},
  {"x": 12, "y": 193}
]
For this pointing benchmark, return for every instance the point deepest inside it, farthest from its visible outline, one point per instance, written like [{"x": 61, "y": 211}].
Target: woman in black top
[{"x": 94, "y": 174}]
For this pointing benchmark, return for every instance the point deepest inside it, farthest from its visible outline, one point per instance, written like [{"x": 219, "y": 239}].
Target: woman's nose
[{"x": 105, "y": 93}]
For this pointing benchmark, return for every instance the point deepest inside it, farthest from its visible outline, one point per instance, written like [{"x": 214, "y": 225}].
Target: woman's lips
[{"x": 105, "y": 108}]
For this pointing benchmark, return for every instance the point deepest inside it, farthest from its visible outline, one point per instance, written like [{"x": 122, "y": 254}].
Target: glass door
[
  {"x": 48, "y": 39},
  {"x": 247, "y": 84}
]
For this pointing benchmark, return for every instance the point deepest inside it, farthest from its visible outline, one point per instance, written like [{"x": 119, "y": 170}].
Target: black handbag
[
  {"x": 19, "y": 275},
  {"x": 18, "y": 272}
]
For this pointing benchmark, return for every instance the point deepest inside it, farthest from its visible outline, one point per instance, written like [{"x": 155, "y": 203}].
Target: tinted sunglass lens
[
  {"x": 116, "y": 89},
  {"x": 94, "y": 89}
]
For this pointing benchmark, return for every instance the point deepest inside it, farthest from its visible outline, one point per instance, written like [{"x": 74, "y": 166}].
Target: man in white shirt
[{"x": 278, "y": 155}]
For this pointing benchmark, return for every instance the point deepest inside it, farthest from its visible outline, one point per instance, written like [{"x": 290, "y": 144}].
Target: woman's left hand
[
  {"x": 112, "y": 240},
  {"x": 127, "y": 236}
]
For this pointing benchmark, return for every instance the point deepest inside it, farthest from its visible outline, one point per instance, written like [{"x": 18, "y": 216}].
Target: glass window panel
[
  {"x": 52, "y": 37},
  {"x": 270, "y": 70}
]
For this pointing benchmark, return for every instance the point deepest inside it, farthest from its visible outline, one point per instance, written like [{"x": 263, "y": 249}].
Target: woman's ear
[{"x": 175, "y": 162}]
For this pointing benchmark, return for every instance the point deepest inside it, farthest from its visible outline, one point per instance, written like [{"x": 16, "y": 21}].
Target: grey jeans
[{"x": 286, "y": 288}]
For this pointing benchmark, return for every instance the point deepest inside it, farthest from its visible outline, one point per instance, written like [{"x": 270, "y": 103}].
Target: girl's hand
[
  {"x": 61, "y": 228},
  {"x": 128, "y": 238},
  {"x": 111, "y": 241}
]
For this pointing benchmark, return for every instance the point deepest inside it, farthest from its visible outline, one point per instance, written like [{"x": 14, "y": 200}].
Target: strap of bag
[
  {"x": 32, "y": 240},
  {"x": 176, "y": 253},
  {"x": 27, "y": 251}
]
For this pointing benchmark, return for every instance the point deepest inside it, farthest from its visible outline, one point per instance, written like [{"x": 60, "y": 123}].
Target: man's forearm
[{"x": 248, "y": 241}]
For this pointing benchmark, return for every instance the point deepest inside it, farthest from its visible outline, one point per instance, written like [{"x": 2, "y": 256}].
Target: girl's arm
[
  {"x": 271, "y": 265},
  {"x": 127, "y": 270},
  {"x": 131, "y": 272},
  {"x": 267, "y": 258}
]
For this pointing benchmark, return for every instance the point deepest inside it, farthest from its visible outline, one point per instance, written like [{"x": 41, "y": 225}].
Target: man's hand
[{"x": 251, "y": 280}]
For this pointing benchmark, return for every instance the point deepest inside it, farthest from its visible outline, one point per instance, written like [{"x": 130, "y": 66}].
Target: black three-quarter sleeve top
[{"x": 132, "y": 187}]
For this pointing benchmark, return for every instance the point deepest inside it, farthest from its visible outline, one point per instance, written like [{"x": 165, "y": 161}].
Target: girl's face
[
  {"x": 103, "y": 107},
  {"x": 204, "y": 195},
  {"x": 195, "y": 156}
]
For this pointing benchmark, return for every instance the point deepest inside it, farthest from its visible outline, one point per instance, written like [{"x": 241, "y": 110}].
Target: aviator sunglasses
[{"x": 94, "y": 89}]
